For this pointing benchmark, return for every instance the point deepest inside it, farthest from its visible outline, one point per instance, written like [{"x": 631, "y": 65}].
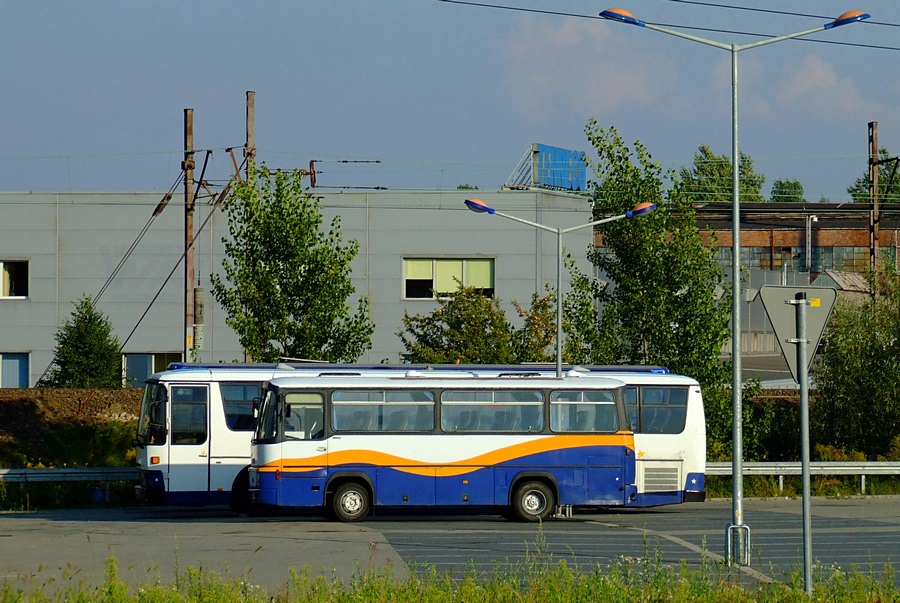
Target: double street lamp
[
  {"x": 479, "y": 206},
  {"x": 623, "y": 16}
]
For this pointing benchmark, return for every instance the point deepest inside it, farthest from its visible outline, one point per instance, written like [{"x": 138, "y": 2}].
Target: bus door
[
  {"x": 304, "y": 450},
  {"x": 188, "y": 444}
]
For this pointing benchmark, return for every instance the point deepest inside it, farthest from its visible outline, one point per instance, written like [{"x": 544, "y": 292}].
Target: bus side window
[
  {"x": 606, "y": 420},
  {"x": 303, "y": 421},
  {"x": 303, "y": 416},
  {"x": 292, "y": 420},
  {"x": 396, "y": 421},
  {"x": 424, "y": 418},
  {"x": 532, "y": 419},
  {"x": 631, "y": 406},
  {"x": 237, "y": 402}
]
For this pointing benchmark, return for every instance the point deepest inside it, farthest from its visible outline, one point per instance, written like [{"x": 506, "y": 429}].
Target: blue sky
[{"x": 441, "y": 93}]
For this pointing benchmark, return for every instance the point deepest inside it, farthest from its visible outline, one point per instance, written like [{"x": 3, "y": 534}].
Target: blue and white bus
[
  {"x": 197, "y": 421},
  {"x": 195, "y": 426},
  {"x": 526, "y": 443}
]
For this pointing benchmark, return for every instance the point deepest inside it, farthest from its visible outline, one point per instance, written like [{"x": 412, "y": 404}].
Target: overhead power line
[
  {"x": 772, "y": 11},
  {"x": 695, "y": 28}
]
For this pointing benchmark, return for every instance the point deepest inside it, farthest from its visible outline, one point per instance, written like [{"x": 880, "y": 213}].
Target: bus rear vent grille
[{"x": 661, "y": 479}]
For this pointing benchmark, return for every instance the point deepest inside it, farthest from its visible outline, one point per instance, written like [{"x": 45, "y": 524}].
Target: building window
[
  {"x": 847, "y": 259},
  {"x": 13, "y": 279},
  {"x": 433, "y": 278},
  {"x": 13, "y": 370},
  {"x": 723, "y": 256},
  {"x": 851, "y": 259}
]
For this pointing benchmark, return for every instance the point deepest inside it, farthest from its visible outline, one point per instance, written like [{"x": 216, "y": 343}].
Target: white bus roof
[{"x": 443, "y": 381}]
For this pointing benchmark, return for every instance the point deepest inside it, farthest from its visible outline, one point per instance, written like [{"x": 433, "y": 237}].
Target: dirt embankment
[{"x": 20, "y": 407}]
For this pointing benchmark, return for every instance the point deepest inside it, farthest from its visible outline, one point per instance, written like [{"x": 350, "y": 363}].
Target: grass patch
[{"x": 538, "y": 580}]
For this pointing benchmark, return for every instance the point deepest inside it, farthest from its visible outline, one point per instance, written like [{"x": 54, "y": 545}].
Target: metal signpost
[{"x": 812, "y": 307}]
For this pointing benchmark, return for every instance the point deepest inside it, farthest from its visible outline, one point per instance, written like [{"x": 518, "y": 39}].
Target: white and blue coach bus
[
  {"x": 527, "y": 443},
  {"x": 197, "y": 421}
]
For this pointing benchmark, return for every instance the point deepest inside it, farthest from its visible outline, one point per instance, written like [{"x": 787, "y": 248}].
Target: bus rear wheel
[
  {"x": 240, "y": 493},
  {"x": 350, "y": 502},
  {"x": 533, "y": 501}
]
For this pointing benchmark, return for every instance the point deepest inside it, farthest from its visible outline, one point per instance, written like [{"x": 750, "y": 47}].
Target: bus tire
[
  {"x": 350, "y": 502},
  {"x": 240, "y": 493},
  {"x": 533, "y": 501}
]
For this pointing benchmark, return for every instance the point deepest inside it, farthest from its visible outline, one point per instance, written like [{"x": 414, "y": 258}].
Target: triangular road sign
[{"x": 783, "y": 316}]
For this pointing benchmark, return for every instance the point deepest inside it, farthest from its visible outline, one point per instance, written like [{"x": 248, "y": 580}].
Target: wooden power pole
[
  {"x": 188, "y": 166},
  {"x": 250, "y": 145},
  {"x": 873, "y": 194}
]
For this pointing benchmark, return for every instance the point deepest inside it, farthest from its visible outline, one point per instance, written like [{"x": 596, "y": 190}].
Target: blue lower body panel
[{"x": 598, "y": 476}]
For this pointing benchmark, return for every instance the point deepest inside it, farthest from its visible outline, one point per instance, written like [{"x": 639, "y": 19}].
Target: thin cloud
[
  {"x": 811, "y": 84},
  {"x": 579, "y": 66}
]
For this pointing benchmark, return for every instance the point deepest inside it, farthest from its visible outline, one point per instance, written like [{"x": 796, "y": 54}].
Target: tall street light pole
[
  {"x": 738, "y": 535},
  {"x": 479, "y": 206}
]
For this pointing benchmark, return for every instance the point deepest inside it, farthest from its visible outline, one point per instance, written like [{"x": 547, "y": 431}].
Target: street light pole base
[{"x": 737, "y": 545}]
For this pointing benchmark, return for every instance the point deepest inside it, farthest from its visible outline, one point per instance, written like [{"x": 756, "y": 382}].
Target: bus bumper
[
  {"x": 695, "y": 488},
  {"x": 152, "y": 488}
]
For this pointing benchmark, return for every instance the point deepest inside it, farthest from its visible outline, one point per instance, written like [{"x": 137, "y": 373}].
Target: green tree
[
  {"x": 538, "y": 333},
  {"x": 662, "y": 302},
  {"x": 888, "y": 182},
  {"x": 469, "y": 328},
  {"x": 709, "y": 179},
  {"x": 289, "y": 278},
  {"x": 87, "y": 352},
  {"x": 857, "y": 374},
  {"x": 787, "y": 191}
]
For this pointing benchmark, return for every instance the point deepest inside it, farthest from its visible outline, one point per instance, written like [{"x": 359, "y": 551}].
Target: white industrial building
[{"x": 57, "y": 247}]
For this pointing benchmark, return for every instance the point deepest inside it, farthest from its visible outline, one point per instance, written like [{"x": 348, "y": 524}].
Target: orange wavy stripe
[{"x": 449, "y": 468}]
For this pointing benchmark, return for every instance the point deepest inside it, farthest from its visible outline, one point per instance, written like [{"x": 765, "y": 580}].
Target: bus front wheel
[
  {"x": 533, "y": 501},
  {"x": 350, "y": 502}
]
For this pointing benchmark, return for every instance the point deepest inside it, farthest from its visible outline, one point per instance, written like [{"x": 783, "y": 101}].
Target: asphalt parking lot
[{"x": 69, "y": 547}]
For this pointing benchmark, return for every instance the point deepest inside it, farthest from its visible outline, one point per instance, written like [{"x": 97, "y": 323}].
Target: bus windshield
[
  {"x": 152, "y": 424},
  {"x": 267, "y": 428}
]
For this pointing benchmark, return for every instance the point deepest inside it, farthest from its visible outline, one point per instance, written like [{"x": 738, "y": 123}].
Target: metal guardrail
[
  {"x": 781, "y": 469},
  {"x": 107, "y": 475}
]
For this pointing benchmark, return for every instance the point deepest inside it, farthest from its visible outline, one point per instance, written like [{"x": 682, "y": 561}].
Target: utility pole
[
  {"x": 250, "y": 146},
  {"x": 250, "y": 154},
  {"x": 188, "y": 166},
  {"x": 873, "y": 195}
]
